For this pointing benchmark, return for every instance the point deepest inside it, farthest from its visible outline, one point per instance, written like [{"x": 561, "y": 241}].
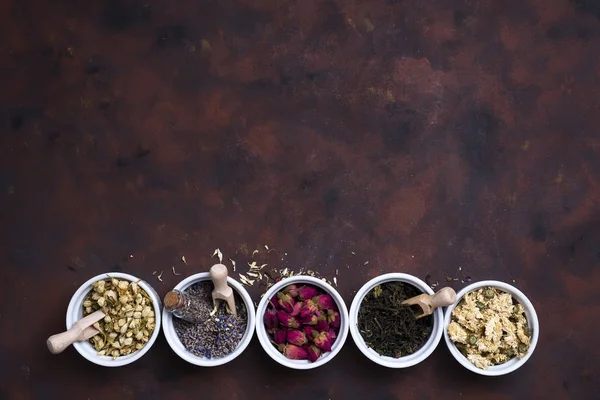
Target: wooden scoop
[
  {"x": 443, "y": 298},
  {"x": 222, "y": 291},
  {"x": 81, "y": 330}
]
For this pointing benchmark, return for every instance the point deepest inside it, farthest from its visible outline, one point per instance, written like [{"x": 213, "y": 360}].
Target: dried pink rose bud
[
  {"x": 286, "y": 302},
  {"x": 273, "y": 301},
  {"x": 287, "y": 320},
  {"x": 270, "y": 320},
  {"x": 292, "y": 290},
  {"x": 297, "y": 307},
  {"x": 321, "y": 325},
  {"x": 310, "y": 320},
  {"x": 307, "y": 292},
  {"x": 333, "y": 317},
  {"x": 294, "y": 352},
  {"x": 309, "y": 308},
  {"x": 296, "y": 337},
  {"x": 313, "y": 353},
  {"x": 280, "y": 336},
  {"x": 322, "y": 341},
  {"x": 331, "y": 335},
  {"x": 324, "y": 302},
  {"x": 308, "y": 330}
]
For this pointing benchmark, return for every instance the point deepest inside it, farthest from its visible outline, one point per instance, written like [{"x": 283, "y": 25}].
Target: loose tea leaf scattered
[{"x": 387, "y": 326}]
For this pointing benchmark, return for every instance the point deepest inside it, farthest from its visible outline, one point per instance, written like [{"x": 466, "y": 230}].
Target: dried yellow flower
[
  {"x": 488, "y": 328},
  {"x": 128, "y": 309}
]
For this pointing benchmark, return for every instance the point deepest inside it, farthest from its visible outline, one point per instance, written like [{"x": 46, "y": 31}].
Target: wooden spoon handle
[
  {"x": 59, "y": 342},
  {"x": 218, "y": 274},
  {"x": 443, "y": 298}
]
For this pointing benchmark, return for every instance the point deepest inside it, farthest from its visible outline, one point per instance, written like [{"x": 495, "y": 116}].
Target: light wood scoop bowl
[
  {"x": 443, "y": 298},
  {"x": 81, "y": 330},
  {"x": 222, "y": 291}
]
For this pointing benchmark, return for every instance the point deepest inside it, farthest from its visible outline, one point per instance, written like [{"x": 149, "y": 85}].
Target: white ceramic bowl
[
  {"x": 532, "y": 320},
  {"x": 391, "y": 362},
  {"x": 177, "y": 346},
  {"x": 265, "y": 339},
  {"x": 75, "y": 313}
]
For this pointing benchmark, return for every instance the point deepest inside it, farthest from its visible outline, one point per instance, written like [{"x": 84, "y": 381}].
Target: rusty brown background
[{"x": 444, "y": 138}]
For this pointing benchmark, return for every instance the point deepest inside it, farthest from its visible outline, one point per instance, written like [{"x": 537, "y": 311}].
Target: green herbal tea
[{"x": 387, "y": 326}]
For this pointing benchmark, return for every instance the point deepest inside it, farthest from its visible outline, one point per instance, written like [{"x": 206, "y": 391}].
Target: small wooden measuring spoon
[
  {"x": 81, "y": 330},
  {"x": 443, "y": 298},
  {"x": 222, "y": 291}
]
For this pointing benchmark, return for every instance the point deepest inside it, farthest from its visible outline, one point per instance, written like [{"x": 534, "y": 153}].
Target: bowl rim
[
  {"x": 532, "y": 319},
  {"x": 177, "y": 346},
  {"x": 85, "y": 348},
  {"x": 263, "y": 336},
  {"x": 403, "y": 362}
]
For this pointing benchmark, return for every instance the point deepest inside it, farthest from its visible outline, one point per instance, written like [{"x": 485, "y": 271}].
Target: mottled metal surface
[{"x": 443, "y": 138}]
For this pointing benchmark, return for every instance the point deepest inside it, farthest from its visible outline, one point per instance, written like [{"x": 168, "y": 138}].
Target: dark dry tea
[
  {"x": 387, "y": 326},
  {"x": 217, "y": 335}
]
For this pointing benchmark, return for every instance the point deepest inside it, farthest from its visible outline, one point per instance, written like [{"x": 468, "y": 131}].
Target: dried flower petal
[{"x": 219, "y": 255}]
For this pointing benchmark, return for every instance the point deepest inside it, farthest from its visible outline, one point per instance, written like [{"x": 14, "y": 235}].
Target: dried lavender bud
[{"x": 217, "y": 336}]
